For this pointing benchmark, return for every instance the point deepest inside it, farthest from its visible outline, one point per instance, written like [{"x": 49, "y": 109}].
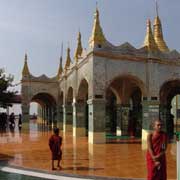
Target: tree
[{"x": 6, "y": 95}]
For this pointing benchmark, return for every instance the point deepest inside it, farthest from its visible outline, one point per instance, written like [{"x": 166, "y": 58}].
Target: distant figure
[
  {"x": 4, "y": 121},
  {"x": 20, "y": 122},
  {"x": 12, "y": 121},
  {"x": 156, "y": 159},
  {"x": 34, "y": 116},
  {"x": 55, "y": 143}
]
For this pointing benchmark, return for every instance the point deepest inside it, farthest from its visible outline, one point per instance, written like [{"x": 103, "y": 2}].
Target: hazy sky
[{"x": 38, "y": 27}]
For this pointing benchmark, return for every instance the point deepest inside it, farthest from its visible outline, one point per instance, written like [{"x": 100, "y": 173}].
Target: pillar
[
  {"x": 79, "y": 119},
  {"x": 118, "y": 112},
  {"x": 25, "y": 112},
  {"x": 150, "y": 113},
  {"x": 97, "y": 115}
]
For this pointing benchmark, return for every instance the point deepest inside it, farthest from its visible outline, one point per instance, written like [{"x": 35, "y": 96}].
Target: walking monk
[
  {"x": 156, "y": 158},
  {"x": 55, "y": 142}
]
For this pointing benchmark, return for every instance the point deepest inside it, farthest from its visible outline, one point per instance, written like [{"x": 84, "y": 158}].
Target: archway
[
  {"x": 82, "y": 118},
  {"x": 169, "y": 109},
  {"x": 68, "y": 112},
  {"x": 47, "y": 111},
  {"x": 123, "y": 108}
]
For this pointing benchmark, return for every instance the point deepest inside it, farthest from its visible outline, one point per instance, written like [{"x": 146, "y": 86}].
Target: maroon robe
[
  {"x": 55, "y": 143},
  {"x": 158, "y": 145}
]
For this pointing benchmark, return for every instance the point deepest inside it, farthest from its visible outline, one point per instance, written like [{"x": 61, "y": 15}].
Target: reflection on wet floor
[{"x": 117, "y": 158}]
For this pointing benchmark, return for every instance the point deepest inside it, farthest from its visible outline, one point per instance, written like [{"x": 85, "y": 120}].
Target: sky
[{"x": 38, "y": 28}]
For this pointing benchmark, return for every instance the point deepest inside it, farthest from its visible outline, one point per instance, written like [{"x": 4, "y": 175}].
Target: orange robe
[
  {"x": 158, "y": 145},
  {"x": 55, "y": 143}
]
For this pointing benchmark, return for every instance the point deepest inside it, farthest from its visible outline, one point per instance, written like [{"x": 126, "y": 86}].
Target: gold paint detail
[
  {"x": 25, "y": 71},
  {"x": 79, "y": 49},
  {"x": 149, "y": 41},
  {"x": 60, "y": 70},
  {"x": 158, "y": 35},
  {"x": 97, "y": 36},
  {"x": 68, "y": 59}
]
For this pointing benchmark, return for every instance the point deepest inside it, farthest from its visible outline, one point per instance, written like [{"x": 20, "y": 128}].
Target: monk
[
  {"x": 156, "y": 159},
  {"x": 55, "y": 143}
]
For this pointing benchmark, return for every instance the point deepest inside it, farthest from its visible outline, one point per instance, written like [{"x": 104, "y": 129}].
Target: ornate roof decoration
[
  {"x": 60, "y": 70},
  {"x": 97, "y": 36},
  {"x": 149, "y": 41},
  {"x": 25, "y": 71},
  {"x": 68, "y": 59},
  {"x": 79, "y": 49},
  {"x": 158, "y": 35}
]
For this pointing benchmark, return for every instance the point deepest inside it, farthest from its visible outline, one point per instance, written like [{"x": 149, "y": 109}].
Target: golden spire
[
  {"x": 25, "y": 71},
  {"x": 68, "y": 59},
  {"x": 158, "y": 34},
  {"x": 97, "y": 36},
  {"x": 60, "y": 70},
  {"x": 149, "y": 41},
  {"x": 79, "y": 48}
]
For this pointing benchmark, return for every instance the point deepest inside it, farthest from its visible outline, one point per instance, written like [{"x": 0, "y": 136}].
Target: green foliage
[{"x": 6, "y": 95}]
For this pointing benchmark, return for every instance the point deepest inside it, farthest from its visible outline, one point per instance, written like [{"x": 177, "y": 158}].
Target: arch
[
  {"x": 44, "y": 98},
  {"x": 134, "y": 79},
  {"x": 124, "y": 105},
  {"x": 83, "y": 90},
  {"x": 116, "y": 94},
  {"x": 83, "y": 109},
  {"x": 48, "y": 107},
  {"x": 168, "y": 90}
]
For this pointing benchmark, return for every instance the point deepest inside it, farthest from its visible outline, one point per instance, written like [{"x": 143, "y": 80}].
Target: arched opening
[
  {"x": 124, "y": 106},
  {"x": 33, "y": 111},
  {"x": 68, "y": 111},
  {"x": 82, "y": 118},
  {"x": 46, "y": 108},
  {"x": 169, "y": 106}
]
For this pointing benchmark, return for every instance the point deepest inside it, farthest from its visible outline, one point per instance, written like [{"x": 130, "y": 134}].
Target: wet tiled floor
[{"x": 116, "y": 158}]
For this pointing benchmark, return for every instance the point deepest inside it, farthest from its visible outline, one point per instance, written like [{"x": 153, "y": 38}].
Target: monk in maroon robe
[
  {"x": 55, "y": 142},
  {"x": 156, "y": 159}
]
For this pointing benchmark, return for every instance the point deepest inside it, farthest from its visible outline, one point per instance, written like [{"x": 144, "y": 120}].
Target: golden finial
[
  {"x": 149, "y": 41},
  {"x": 158, "y": 33},
  {"x": 79, "y": 48},
  {"x": 25, "y": 71},
  {"x": 97, "y": 36},
  {"x": 68, "y": 59}
]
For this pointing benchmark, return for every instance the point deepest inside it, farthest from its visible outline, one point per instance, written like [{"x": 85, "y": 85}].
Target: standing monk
[
  {"x": 55, "y": 142},
  {"x": 156, "y": 158}
]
